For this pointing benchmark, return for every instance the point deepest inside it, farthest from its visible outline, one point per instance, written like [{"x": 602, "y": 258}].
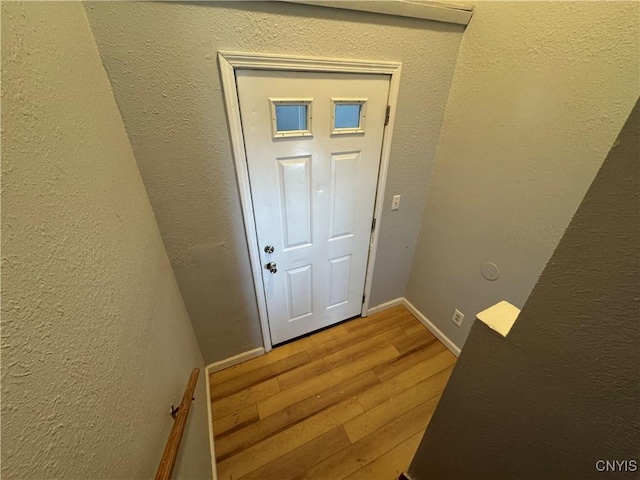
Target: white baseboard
[
  {"x": 214, "y": 468},
  {"x": 235, "y": 360},
  {"x": 421, "y": 317},
  {"x": 385, "y": 305},
  {"x": 431, "y": 327},
  {"x": 216, "y": 367}
]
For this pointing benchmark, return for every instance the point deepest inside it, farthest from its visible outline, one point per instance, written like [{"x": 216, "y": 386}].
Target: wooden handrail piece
[{"x": 170, "y": 453}]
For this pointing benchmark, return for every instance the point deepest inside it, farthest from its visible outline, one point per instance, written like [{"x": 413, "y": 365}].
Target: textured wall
[
  {"x": 540, "y": 91},
  {"x": 96, "y": 342},
  {"x": 161, "y": 59},
  {"x": 562, "y": 390}
]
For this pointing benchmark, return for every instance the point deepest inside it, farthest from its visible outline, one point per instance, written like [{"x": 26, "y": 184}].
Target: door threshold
[{"x": 295, "y": 339}]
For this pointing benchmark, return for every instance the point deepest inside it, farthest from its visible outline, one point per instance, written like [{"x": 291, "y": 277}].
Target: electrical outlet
[
  {"x": 395, "y": 203},
  {"x": 457, "y": 318}
]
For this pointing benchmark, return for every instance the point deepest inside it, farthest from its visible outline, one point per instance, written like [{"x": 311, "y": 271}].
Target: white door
[{"x": 313, "y": 143}]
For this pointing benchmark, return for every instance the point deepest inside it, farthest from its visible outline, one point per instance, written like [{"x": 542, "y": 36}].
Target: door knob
[
  {"x": 271, "y": 266},
  {"x": 268, "y": 249}
]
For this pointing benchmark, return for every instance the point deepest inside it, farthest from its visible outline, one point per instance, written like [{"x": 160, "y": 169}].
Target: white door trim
[{"x": 229, "y": 62}]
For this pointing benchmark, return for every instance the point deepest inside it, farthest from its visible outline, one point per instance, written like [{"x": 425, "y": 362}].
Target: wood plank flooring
[{"x": 351, "y": 402}]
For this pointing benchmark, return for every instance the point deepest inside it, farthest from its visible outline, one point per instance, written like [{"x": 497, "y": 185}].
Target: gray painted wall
[
  {"x": 562, "y": 390},
  {"x": 96, "y": 341},
  {"x": 161, "y": 59},
  {"x": 540, "y": 91}
]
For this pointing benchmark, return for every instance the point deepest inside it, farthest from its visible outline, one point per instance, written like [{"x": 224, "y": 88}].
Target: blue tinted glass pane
[
  {"x": 347, "y": 115},
  {"x": 291, "y": 117}
]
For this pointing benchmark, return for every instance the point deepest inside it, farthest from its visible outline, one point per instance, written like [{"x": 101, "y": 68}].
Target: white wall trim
[
  {"x": 212, "y": 448},
  {"x": 500, "y": 317},
  {"x": 267, "y": 61},
  {"x": 423, "y": 10},
  {"x": 385, "y": 155},
  {"x": 385, "y": 305},
  {"x": 216, "y": 367},
  {"x": 229, "y": 62},
  {"x": 237, "y": 143},
  {"x": 432, "y": 328},
  {"x": 235, "y": 360}
]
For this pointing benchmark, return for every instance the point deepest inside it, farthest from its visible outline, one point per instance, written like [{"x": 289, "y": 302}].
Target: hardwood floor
[{"x": 350, "y": 402}]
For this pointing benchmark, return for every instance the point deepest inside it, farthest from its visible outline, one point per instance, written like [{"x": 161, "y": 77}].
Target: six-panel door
[{"x": 313, "y": 144}]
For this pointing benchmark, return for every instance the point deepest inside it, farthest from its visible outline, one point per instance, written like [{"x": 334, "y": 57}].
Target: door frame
[{"x": 231, "y": 61}]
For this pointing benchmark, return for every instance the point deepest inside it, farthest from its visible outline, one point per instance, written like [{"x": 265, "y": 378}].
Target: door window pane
[
  {"x": 291, "y": 118},
  {"x": 347, "y": 115}
]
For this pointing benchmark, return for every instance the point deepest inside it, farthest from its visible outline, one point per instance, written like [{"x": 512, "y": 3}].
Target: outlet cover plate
[{"x": 457, "y": 317}]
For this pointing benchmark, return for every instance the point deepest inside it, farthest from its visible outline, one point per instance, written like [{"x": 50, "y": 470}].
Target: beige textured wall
[
  {"x": 539, "y": 93},
  {"x": 161, "y": 59},
  {"x": 96, "y": 342}
]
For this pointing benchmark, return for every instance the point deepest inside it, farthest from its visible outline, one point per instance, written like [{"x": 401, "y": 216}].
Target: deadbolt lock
[{"x": 268, "y": 249}]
